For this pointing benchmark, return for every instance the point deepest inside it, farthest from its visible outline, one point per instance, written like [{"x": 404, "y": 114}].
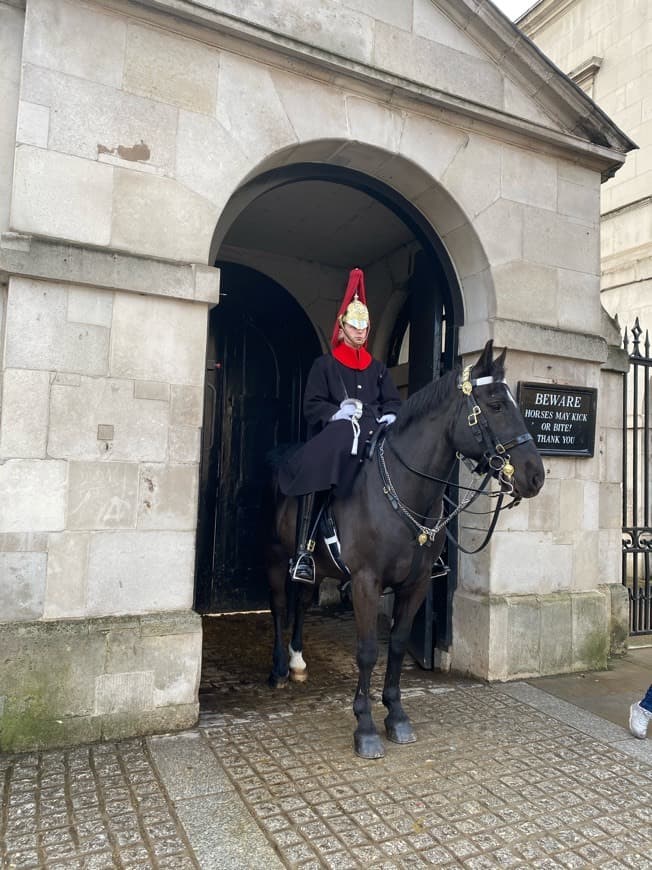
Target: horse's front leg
[
  {"x": 406, "y": 603},
  {"x": 366, "y": 742},
  {"x": 278, "y": 678}
]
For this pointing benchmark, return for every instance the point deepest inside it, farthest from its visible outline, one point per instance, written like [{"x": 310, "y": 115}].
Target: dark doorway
[{"x": 260, "y": 347}]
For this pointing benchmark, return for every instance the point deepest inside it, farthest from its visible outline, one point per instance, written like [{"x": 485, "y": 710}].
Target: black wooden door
[
  {"x": 260, "y": 347},
  {"x": 432, "y": 351}
]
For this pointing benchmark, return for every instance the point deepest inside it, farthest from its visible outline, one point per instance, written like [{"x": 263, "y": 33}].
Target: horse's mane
[{"x": 425, "y": 400}]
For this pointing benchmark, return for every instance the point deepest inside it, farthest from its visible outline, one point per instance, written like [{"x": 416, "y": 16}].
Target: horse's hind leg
[
  {"x": 366, "y": 742},
  {"x": 278, "y": 677},
  {"x": 406, "y": 604},
  {"x": 302, "y": 597}
]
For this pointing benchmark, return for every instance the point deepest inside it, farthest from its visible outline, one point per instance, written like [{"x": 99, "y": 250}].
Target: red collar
[{"x": 352, "y": 359}]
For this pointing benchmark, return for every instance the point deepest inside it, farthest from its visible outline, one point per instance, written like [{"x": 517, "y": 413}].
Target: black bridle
[{"x": 495, "y": 463}]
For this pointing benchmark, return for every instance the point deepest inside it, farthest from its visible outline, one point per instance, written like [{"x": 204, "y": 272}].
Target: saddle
[{"x": 325, "y": 528}]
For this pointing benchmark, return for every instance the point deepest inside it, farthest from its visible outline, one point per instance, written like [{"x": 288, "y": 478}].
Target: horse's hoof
[
  {"x": 400, "y": 732},
  {"x": 276, "y": 682},
  {"x": 368, "y": 746},
  {"x": 299, "y": 675}
]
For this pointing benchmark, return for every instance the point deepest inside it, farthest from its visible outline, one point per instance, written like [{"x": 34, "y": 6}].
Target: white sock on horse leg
[{"x": 296, "y": 660}]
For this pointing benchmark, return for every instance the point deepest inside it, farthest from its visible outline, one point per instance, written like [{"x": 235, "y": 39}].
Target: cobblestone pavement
[
  {"x": 94, "y": 807},
  {"x": 501, "y": 776}
]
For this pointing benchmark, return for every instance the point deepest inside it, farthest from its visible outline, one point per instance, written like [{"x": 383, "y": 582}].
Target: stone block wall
[{"x": 99, "y": 452}]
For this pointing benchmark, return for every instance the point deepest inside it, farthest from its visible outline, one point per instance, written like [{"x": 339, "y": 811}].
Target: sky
[{"x": 514, "y": 8}]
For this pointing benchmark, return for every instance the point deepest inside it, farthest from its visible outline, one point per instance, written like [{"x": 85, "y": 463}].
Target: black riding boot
[{"x": 302, "y": 568}]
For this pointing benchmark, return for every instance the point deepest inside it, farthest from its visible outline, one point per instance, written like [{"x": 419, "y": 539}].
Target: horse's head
[{"x": 490, "y": 428}]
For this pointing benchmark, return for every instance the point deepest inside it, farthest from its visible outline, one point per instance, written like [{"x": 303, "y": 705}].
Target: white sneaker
[{"x": 639, "y": 719}]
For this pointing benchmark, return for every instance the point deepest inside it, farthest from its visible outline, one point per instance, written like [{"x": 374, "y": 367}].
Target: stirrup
[
  {"x": 439, "y": 569},
  {"x": 303, "y": 570}
]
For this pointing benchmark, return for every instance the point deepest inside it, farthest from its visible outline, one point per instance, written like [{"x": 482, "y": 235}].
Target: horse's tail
[{"x": 271, "y": 492}]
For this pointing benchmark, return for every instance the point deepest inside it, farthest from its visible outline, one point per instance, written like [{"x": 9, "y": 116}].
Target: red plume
[{"x": 356, "y": 284}]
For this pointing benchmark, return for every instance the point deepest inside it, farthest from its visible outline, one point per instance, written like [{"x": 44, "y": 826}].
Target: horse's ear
[
  {"x": 483, "y": 365},
  {"x": 498, "y": 367}
]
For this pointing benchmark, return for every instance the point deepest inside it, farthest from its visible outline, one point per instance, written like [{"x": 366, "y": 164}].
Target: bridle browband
[{"x": 495, "y": 462}]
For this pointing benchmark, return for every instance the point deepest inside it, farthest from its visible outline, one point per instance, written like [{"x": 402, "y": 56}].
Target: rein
[{"x": 495, "y": 463}]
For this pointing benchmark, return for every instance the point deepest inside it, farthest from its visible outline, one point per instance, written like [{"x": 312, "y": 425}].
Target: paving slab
[{"x": 505, "y": 775}]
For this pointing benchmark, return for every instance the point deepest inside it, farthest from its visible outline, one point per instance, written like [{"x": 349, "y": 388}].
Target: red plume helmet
[{"x": 353, "y": 309}]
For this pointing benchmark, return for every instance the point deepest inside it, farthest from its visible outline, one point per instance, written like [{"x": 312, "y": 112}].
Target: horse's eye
[{"x": 495, "y": 406}]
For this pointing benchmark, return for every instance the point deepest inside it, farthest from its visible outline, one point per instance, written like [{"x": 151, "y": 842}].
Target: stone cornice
[
  {"x": 53, "y": 260},
  {"x": 589, "y": 130},
  {"x": 542, "y": 14}
]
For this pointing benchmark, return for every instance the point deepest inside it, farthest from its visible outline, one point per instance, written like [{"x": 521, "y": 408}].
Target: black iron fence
[{"x": 637, "y": 517}]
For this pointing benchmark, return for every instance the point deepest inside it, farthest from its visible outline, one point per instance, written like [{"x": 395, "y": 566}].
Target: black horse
[{"x": 389, "y": 529}]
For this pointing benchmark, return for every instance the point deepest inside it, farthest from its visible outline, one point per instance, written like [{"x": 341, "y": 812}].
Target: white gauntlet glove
[
  {"x": 387, "y": 418},
  {"x": 349, "y": 409}
]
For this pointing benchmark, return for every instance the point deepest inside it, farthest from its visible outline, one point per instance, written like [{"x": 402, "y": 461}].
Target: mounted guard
[{"x": 348, "y": 395}]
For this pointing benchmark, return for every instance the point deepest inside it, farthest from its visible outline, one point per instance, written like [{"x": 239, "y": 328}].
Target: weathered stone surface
[
  {"x": 25, "y": 409},
  {"x": 167, "y": 497},
  {"x": 527, "y": 562},
  {"x": 124, "y": 693},
  {"x": 295, "y": 92},
  {"x": 618, "y": 606},
  {"x": 439, "y": 66},
  {"x": 590, "y": 630},
  {"x": 223, "y": 163},
  {"x": 22, "y": 586},
  {"x": 172, "y": 664},
  {"x": 33, "y": 124},
  {"x": 140, "y": 425},
  {"x": 550, "y": 239},
  {"x": 41, "y": 336},
  {"x": 376, "y": 124},
  {"x": 207, "y": 283},
  {"x": 264, "y": 127},
  {"x": 87, "y": 119},
  {"x": 102, "y": 495},
  {"x": 158, "y": 216},
  {"x": 155, "y": 391},
  {"x": 433, "y": 146},
  {"x": 500, "y": 230},
  {"x": 65, "y": 595},
  {"x": 529, "y": 178},
  {"x": 12, "y": 24},
  {"x": 327, "y": 26},
  {"x": 90, "y": 306},
  {"x": 177, "y": 353},
  {"x": 556, "y": 638},
  {"x": 171, "y": 69},
  {"x": 56, "y": 676},
  {"x": 187, "y": 406},
  {"x": 48, "y": 259},
  {"x": 473, "y": 176},
  {"x": 33, "y": 495},
  {"x": 524, "y": 635},
  {"x": 525, "y": 291},
  {"x": 77, "y": 40},
  {"x": 140, "y": 572},
  {"x": 23, "y": 542},
  {"x": 431, "y": 23},
  {"x": 184, "y": 444},
  {"x": 50, "y": 196}
]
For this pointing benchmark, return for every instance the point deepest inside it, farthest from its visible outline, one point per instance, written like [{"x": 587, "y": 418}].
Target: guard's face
[{"x": 353, "y": 336}]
